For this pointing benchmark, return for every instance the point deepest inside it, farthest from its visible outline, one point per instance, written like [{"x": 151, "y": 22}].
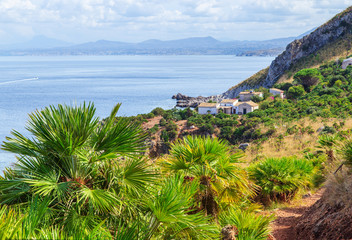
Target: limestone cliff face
[
  {"x": 336, "y": 28},
  {"x": 327, "y": 33}
]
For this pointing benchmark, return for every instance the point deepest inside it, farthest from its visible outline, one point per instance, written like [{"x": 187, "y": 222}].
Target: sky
[{"x": 79, "y": 21}]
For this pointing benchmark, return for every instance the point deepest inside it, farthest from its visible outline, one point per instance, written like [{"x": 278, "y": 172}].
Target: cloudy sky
[{"x": 138, "y": 20}]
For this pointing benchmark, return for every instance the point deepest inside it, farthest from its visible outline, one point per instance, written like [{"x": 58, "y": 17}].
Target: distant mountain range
[
  {"x": 42, "y": 45},
  {"x": 38, "y": 42}
]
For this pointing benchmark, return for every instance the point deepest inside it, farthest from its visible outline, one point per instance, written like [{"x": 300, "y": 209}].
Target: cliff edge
[{"x": 335, "y": 30}]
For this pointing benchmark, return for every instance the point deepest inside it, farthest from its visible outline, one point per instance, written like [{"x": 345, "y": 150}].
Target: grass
[
  {"x": 295, "y": 144},
  {"x": 339, "y": 187}
]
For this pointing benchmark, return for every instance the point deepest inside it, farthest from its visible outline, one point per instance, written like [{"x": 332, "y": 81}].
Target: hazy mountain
[
  {"x": 37, "y": 42},
  {"x": 189, "y": 46}
]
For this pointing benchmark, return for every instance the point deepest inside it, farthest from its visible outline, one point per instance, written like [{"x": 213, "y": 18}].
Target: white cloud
[{"x": 135, "y": 20}]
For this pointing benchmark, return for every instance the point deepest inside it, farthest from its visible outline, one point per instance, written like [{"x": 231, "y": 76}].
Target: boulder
[{"x": 243, "y": 146}]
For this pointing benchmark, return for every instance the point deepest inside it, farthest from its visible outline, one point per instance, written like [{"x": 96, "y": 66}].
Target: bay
[{"x": 140, "y": 83}]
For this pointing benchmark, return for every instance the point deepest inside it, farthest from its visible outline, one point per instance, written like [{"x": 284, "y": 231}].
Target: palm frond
[
  {"x": 135, "y": 175},
  {"x": 170, "y": 207},
  {"x": 122, "y": 138},
  {"x": 100, "y": 200}
]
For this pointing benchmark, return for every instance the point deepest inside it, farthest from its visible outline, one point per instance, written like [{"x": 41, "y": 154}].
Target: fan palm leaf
[
  {"x": 171, "y": 206},
  {"x": 212, "y": 164}
]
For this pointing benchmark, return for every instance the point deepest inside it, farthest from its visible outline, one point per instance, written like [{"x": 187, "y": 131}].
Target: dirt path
[{"x": 286, "y": 218}]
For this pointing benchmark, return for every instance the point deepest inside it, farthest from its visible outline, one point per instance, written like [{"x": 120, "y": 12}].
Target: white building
[
  {"x": 228, "y": 105},
  {"x": 208, "y": 108},
  {"x": 246, "y": 96},
  {"x": 246, "y": 107},
  {"x": 275, "y": 91},
  {"x": 347, "y": 62}
]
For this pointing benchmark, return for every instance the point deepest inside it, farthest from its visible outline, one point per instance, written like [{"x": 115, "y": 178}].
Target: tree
[
  {"x": 256, "y": 99},
  {"x": 87, "y": 179},
  {"x": 283, "y": 86},
  {"x": 158, "y": 111},
  {"x": 295, "y": 92},
  {"x": 209, "y": 163},
  {"x": 307, "y": 78},
  {"x": 328, "y": 143}
]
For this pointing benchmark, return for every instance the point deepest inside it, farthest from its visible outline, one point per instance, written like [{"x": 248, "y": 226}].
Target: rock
[
  {"x": 180, "y": 96},
  {"x": 243, "y": 146},
  {"x": 307, "y": 195},
  {"x": 320, "y": 129},
  {"x": 229, "y": 232},
  {"x": 186, "y": 101}
]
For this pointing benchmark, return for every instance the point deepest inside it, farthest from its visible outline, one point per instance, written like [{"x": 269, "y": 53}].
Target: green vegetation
[
  {"x": 295, "y": 92},
  {"x": 211, "y": 165},
  {"x": 307, "y": 78},
  {"x": 248, "y": 224},
  {"x": 328, "y": 94},
  {"x": 77, "y": 177},
  {"x": 280, "y": 178}
]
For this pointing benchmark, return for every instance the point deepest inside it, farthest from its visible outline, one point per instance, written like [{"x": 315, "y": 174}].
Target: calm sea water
[{"x": 140, "y": 83}]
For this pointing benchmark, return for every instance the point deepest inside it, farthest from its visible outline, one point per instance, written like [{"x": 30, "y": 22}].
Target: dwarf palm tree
[
  {"x": 93, "y": 182},
  {"x": 328, "y": 143},
  {"x": 211, "y": 164},
  {"x": 90, "y": 170},
  {"x": 281, "y": 178},
  {"x": 346, "y": 153},
  {"x": 245, "y": 224}
]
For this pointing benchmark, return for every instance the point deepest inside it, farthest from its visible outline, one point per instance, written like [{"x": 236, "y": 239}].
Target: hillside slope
[{"x": 329, "y": 41}]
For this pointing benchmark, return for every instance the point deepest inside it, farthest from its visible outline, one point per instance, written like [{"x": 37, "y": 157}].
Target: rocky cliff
[{"x": 330, "y": 32}]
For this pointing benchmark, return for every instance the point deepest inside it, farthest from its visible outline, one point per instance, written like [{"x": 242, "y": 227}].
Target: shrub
[
  {"x": 307, "y": 77},
  {"x": 328, "y": 91},
  {"x": 168, "y": 115},
  {"x": 158, "y": 111},
  {"x": 226, "y": 132},
  {"x": 292, "y": 130},
  {"x": 283, "y": 86},
  {"x": 162, "y": 122},
  {"x": 164, "y": 136},
  {"x": 249, "y": 224},
  {"x": 336, "y": 78},
  {"x": 171, "y": 129},
  {"x": 195, "y": 120},
  {"x": 154, "y": 129},
  {"x": 328, "y": 130},
  {"x": 281, "y": 178},
  {"x": 149, "y": 115},
  {"x": 206, "y": 128},
  {"x": 295, "y": 92},
  {"x": 256, "y": 98}
]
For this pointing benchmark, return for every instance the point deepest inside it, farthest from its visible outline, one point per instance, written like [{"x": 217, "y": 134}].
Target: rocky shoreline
[{"x": 187, "y": 101}]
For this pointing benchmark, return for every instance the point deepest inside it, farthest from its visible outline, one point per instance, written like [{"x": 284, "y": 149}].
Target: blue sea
[{"x": 140, "y": 83}]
